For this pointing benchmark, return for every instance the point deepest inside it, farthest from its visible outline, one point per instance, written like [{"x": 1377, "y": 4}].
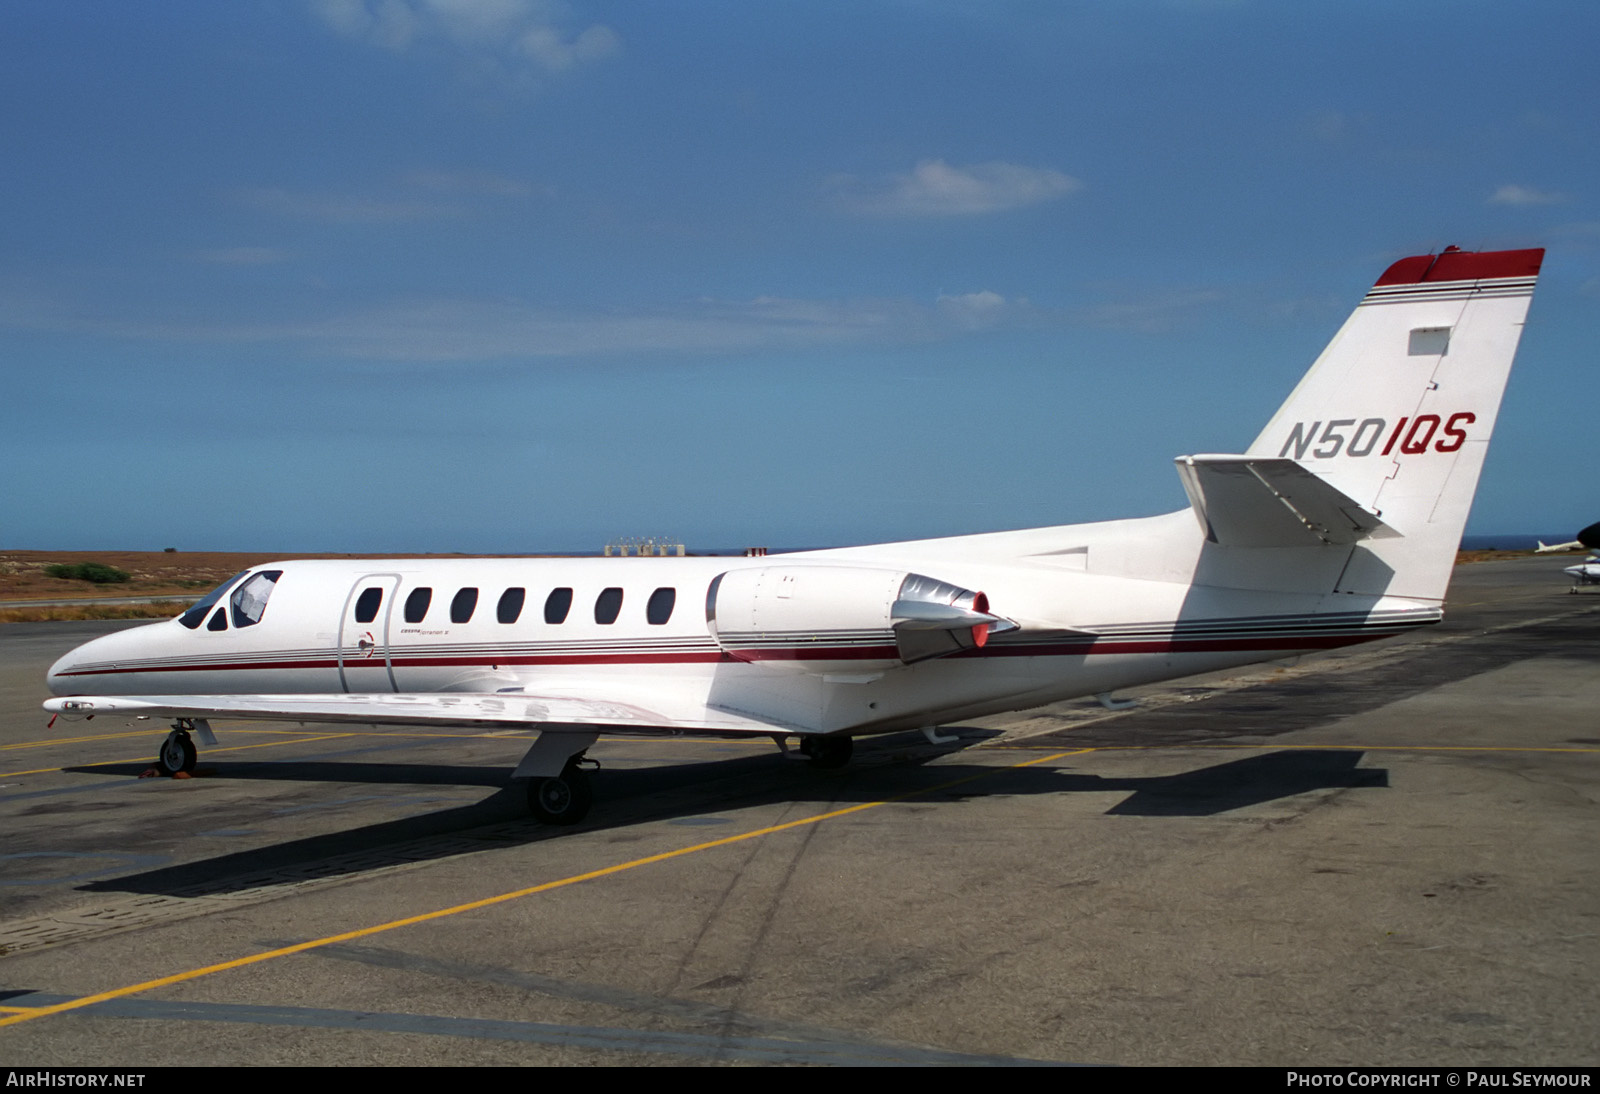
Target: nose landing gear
[{"x": 177, "y": 751}]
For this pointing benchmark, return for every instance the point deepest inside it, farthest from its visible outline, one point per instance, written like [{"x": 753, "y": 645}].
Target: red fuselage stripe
[{"x": 788, "y": 653}]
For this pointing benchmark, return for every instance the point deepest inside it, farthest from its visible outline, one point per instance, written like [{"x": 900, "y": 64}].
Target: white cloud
[
  {"x": 390, "y": 24},
  {"x": 936, "y": 188},
  {"x": 344, "y": 208},
  {"x": 546, "y": 46},
  {"x": 515, "y": 34},
  {"x": 242, "y": 256},
  {"x": 1152, "y": 314},
  {"x": 427, "y": 194},
  {"x": 1513, "y": 194},
  {"x": 1329, "y": 125},
  {"x": 469, "y": 182},
  {"x": 456, "y": 330},
  {"x": 974, "y": 309},
  {"x": 447, "y": 331}
]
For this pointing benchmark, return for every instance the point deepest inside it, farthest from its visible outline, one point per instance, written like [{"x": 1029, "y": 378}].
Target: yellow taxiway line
[
  {"x": 209, "y": 752},
  {"x": 28, "y": 1014},
  {"x": 307, "y": 737}
]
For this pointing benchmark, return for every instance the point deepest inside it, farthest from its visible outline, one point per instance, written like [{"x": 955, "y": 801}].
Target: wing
[{"x": 440, "y": 709}]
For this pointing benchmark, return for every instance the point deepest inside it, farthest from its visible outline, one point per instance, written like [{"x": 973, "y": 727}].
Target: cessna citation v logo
[{"x": 1445, "y": 434}]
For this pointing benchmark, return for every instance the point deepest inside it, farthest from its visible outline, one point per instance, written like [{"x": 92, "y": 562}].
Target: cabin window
[
  {"x": 608, "y": 605},
  {"x": 219, "y": 621},
  {"x": 197, "y": 614},
  {"x": 417, "y": 604},
  {"x": 557, "y": 605},
  {"x": 367, "y": 605},
  {"x": 659, "y": 610},
  {"x": 249, "y": 601},
  {"x": 510, "y": 606},
  {"x": 463, "y": 605}
]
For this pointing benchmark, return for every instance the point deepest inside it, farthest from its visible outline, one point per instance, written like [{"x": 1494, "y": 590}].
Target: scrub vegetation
[
  {"x": 97, "y": 572},
  {"x": 170, "y": 580},
  {"x": 164, "y": 609}
]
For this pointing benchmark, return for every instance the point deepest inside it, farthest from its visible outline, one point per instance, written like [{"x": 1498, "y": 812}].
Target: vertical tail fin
[{"x": 1396, "y": 414}]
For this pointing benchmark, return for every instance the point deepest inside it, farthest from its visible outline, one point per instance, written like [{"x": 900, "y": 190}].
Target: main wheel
[
  {"x": 828, "y": 752},
  {"x": 177, "y": 754},
  {"x": 563, "y": 799}
]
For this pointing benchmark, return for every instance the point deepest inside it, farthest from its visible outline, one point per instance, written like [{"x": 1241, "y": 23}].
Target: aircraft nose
[
  {"x": 67, "y": 676},
  {"x": 58, "y": 679}
]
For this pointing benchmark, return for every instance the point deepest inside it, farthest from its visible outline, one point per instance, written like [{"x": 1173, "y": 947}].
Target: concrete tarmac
[{"x": 1385, "y": 855}]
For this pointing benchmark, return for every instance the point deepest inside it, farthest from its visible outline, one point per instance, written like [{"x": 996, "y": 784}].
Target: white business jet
[{"x": 1338, "y": 525}]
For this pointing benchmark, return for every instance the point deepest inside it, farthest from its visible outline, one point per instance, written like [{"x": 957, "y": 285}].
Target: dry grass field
[{"x": 185, "y": 576}]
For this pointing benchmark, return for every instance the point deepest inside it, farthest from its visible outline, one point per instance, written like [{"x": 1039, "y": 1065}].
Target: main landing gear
[
  {"x": 177, "y": 751},
  {"x": 563, "y": 798},
  {"x": 827, "y": 752}
]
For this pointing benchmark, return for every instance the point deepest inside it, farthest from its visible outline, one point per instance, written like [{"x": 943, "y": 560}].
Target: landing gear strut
[
  {"x": 563, "y": 798},
  {"x": 827, "y": 752},
  {"x": 177, "y": 752}
]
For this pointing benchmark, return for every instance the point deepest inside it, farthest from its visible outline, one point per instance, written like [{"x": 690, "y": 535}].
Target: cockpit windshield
[
  {"x": 197, "y": 614},
  {"x": 246, "y": 606},
  {"x": 249, "y": 600}
]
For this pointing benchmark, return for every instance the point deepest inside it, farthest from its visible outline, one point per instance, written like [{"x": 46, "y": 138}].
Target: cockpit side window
[
  {"x": 219, "y": 621},
  {"x": 197, "y": 614},
  {"x": 249, "y": 601}
]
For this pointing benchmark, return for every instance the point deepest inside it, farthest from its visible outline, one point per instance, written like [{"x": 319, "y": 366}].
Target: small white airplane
[
  {"x": 1338, "y": 525},
  {"x": 1586, "y": 572},
  {"x": 1589, "y": 537}
]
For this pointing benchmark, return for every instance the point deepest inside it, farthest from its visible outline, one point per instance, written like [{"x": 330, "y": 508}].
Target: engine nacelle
[{"x": 813, "y": 616}]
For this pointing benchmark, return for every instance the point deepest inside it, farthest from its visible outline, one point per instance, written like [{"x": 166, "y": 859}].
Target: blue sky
[{"x": 511, "y": 276}]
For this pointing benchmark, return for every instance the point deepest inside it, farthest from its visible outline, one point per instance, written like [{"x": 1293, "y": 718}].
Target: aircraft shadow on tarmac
[
  {"x": 1253, "y": 780},
  {"x": 696, "y": 793}
]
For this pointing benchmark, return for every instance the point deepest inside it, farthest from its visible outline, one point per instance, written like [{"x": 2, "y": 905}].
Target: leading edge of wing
[{"x": 440, "y": 710}]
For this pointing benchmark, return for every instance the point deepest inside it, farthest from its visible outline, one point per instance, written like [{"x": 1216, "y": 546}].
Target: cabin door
[{"x": 364, "y": 661}]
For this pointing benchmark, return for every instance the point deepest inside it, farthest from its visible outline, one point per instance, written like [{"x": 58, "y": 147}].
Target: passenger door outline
[{"x": 363, "y": 647}]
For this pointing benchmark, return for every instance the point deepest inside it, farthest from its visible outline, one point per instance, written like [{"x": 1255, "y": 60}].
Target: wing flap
[{"x": 1254, "y": 501}]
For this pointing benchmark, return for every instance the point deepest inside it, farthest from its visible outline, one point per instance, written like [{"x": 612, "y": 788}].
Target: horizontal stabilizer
[{"x": 1256, "y": 501}]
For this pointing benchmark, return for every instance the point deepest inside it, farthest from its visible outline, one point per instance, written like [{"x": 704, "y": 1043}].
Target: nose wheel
[{"x": 177, "y": 753}]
